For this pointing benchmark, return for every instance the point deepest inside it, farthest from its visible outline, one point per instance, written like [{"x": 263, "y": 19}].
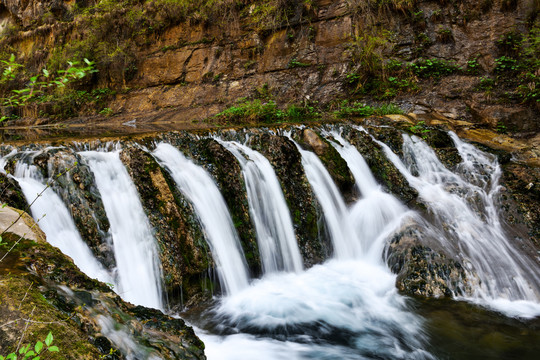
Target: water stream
[
  {"x": 345, "y": 308},
  {"x": 268, "y": 210},
  {"x": 468, "y": 223},
  {"x": 197, "y": 185},
  {"x": 138, "y": 265}
]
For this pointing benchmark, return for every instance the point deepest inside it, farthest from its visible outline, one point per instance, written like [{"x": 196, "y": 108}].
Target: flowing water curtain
[
  {"x": 268, "y": 209},
  {"x": 135, "y": 250},
  {"x": 376, "y": 214},
  {"x": 199, "y": 188},
  {"x": 463, "y": 203}
]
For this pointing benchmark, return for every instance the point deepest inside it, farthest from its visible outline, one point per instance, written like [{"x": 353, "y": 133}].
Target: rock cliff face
[{"x": 197, "y": 60}]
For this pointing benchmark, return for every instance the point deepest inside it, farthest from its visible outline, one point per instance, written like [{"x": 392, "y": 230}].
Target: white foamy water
[
  {"x": 376, "y": 212},
  {"x": 135, "y": 252},
  {"x": 199, "y": 188},
  {"x": 346, "y": 308},
  {"x": 341, "y": 309},
  {"x": 54, "y": 219},
  {"x": 268, "y": 209},
  {"x": 464, "y": 205}
]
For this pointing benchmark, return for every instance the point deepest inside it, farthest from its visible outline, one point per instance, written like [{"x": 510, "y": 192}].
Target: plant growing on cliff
[
  {"x": 257, "y": 111},
  {"x": 357, "y": 109},
  {"x": 33, "y": 352},
  {"x": 44, "y": 83}
]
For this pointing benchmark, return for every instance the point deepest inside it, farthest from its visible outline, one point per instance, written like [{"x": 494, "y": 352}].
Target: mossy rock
[
  {"x": 11, "y": 193},
  {"x": 39, "y": 283},
  {"x": 183, "y": 251}
]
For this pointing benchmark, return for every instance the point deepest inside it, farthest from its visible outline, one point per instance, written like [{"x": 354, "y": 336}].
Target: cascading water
[
  {"x": 346, "y": 308},
  {"x": 376, "y": 212},
  {"x": 464, "y": 205},
  {"x": 138, "y": 266},
  {"x": 55, "y": 220},
  {"x": 268, "y": 210},
  {"x": 335, "y": 210},
  {"x": 197, "y": 185}
]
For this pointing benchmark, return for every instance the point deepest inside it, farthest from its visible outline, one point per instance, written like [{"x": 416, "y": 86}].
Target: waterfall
[
  {"x": 464, "y": 205},
  {"x": 376, "y": 212},
  {"x": 346, "y": 308},
  {"x": 336, "y": 214},
  {"x": 268, "y": 209},
  {"x": 54, "y": 219},
  {"x": 197, "y": 185},
  {"x": 138, "y": 265}
]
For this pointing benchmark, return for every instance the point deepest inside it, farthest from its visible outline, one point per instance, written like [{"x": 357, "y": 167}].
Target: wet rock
[
  {"x": 184, "y": 253},
  {"x": 305, "y": 211},
  {"x": 75, "y": 183},
  {"x": 421, "y": 270},
  {"x": 11, "y": 193},
  {"x": 333, "y": 162},
  {"x": 85, "y": 317},
  {"x": 520, "y": 203}
]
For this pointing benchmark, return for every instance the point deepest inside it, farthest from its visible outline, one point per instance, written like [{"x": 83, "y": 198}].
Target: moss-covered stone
[
  {"x": 421, "y": 270},
  {"x": 11, "y": 193},
  {"x": 226, "y": 170},
  {"x": 384, "y": 171},
  {"x": 41, "y": 290},
  {"x": 183, "y": 252},
  {"x": 333, "y": 162},
  {"x": 75, "y": 183}
]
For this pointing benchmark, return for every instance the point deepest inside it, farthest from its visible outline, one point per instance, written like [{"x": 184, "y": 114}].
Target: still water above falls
[{"x": 345, "y": 308}]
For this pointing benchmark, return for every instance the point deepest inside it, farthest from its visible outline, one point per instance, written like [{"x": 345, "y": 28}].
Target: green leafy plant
[
  {"x": 295, "y": 63},
  {"x": 506, "y": 64},
  {"x": 33, "y": 352},
  {"x": 433, "y": 68},
  {"x": 357, "y": 109},
  {"x": 44, "y": 83},
  {"x": 420, "y": 129}
]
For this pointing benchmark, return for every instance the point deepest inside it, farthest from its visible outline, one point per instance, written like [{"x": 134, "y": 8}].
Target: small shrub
[
  {"x": 433, "y": 68},
  {"x": 357, "y": 109},
  {"x": 444, "y": 35},
  {"x": 295, "y": 64}
]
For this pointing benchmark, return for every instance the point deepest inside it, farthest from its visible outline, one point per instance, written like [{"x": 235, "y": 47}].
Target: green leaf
[
  {"x": 49, "y": 339},
  {"x": 38, "y": 347},
  {"x": 11, "y": 356},
  {"x": 46, "y": 72},
  {"x": 37, "y": 358},
  {"x": 28, "y": 354},
  {"x": 53, "y": 348},
  {"x": 12, "y": 58}
]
